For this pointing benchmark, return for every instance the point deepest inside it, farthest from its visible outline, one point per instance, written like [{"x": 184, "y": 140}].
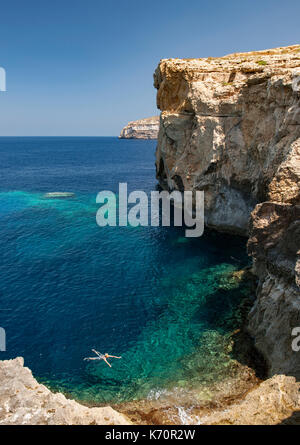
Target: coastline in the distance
[{"x": 141, "y": 129}]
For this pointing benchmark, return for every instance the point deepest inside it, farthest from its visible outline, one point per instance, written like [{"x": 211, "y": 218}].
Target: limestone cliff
[
  {"x": 274, "y": 244},
  {"x": 141, "y": 129},
  {"x": 231, "y": 126},
  {"x": 23, "y": 401}
]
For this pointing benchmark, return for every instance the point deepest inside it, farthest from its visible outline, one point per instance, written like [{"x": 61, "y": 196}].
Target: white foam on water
[
  {"x": 186, "y": 418},
  {"x": 155, "y": 394}
]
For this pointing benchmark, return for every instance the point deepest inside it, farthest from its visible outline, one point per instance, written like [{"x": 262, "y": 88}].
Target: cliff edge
[
  {"x": 231, "y": 126},
  {"x": 142, "y": 129}
]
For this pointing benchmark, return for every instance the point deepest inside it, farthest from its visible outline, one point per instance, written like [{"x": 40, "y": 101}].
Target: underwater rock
[{"x": 59, "y": 195}]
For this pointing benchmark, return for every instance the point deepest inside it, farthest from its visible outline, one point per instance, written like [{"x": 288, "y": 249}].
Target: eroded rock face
[
  {"x": 23, "y": 401},
  {"x": 272, "y": 402},
  {"x": 231, "y": 126},
  {"x": 141, "y": 129},
  {"x": 274, "y": 244}
]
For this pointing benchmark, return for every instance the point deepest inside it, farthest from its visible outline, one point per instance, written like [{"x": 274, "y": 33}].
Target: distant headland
[{"x": 141, "y": 129}]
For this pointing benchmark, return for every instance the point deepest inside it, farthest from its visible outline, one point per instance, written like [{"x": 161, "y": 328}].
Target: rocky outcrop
[
  {"x": 231, "y": 126},
  {"x": 141, "y": 129},
  {"x": 272, "y": 402},
  {"x": 23, "y": 401}
]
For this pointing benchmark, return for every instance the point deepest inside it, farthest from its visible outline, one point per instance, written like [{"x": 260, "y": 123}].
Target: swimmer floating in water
[{"x": 101, "y": 357}]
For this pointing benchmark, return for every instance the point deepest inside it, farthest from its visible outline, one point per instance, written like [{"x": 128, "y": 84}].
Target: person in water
[{"x": 101, "y": 357}]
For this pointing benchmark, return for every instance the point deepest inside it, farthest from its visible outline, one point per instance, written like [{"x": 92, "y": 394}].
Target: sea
[{"x": 164, "y": 303}]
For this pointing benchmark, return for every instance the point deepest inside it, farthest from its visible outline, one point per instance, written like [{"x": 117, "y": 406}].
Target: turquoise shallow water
[{"x": 161, "y": 301}]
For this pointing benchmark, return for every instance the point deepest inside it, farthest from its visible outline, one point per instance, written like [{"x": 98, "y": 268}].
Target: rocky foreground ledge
[
  {"x": 271, "y": 403},
  {"x": 141, "y": 129},
  {"x": 23, "y": 401}
]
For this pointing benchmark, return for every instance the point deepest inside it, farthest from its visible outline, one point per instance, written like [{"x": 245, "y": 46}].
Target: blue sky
[{"x": 85, "y": 67}]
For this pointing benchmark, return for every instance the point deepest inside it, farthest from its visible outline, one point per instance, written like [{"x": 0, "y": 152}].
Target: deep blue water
[{"x": 66, "y": 285}]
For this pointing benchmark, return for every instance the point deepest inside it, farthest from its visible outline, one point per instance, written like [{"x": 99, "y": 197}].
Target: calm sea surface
[{"x": 162, "y": 301}]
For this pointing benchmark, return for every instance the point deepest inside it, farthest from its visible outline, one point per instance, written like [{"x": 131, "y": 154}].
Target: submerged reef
[{"x": 58, "y": 195}]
